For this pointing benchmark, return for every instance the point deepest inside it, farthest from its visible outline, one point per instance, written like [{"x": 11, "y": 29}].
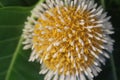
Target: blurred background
[{"x": 112, "y": 69}]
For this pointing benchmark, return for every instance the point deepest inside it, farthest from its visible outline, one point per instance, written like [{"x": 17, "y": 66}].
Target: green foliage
[
  {"x": 117, "y": 1},
  {"x": 14, "y": 63},
  {"x": 17, "y": 2}
]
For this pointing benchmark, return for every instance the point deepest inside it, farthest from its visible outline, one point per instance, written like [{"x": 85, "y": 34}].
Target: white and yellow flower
[{"x": 70, "y": 38}]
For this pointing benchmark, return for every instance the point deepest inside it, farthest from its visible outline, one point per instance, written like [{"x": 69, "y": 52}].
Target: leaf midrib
[
  {"x": 13, "y": 59},
  {"x": 9, "y": 39}
]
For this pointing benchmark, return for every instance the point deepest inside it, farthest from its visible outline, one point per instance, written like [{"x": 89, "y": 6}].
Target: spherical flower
[{"x": 70, "y": 38}]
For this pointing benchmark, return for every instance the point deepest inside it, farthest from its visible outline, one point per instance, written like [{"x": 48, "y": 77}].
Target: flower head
[{"x": 70, "y": 38}]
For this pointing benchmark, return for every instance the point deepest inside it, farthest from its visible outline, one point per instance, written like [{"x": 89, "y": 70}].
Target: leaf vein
[{"x": 13, "y": 59}]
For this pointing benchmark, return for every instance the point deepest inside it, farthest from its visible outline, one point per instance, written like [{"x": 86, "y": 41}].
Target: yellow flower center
[{"x": 64, "y": 40}]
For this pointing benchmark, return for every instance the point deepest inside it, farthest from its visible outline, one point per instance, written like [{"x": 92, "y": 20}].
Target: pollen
[{"x": 67, "y": 38}]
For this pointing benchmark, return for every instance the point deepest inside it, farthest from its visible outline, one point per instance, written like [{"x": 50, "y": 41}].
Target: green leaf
[
  {"x": 17, "y": 2},
  {"x": 14, "y": 63},
  {"x": 117, "y": 2},
  {"x": 115, "y": 12}
]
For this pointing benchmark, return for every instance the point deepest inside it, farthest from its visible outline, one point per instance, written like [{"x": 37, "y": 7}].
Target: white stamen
[
  {"x": 98, "y": 38},
  {"x": 94, "y": 48},
  {"x": 99, "y": 22},
  {"x": 49, "y": 48},
  {"x": 71, "y": 58},
  {"x": 94, "y": 54},
  {"x": 81, "y": 41},
  {"x": 58, "y": 30},
  {"x": 66, "y": 28},
  {"x": 57, "y": 2},
  {"x": 77, "y": 49},
  {"x": 50, "y": 28},
  {"x": 46, "y": 57},
  {"x": 65, "y": 8},
  {"x": 84, "y": 8},
  {"x": 92, "y": 20},
  {"x": 43, "y": 71},
  {"x": 62, "y": 77},
  {"x": 100, "y": 35},
  {"x": 73, "y": 77},
  {"x": 82, "y": 76},
  {"x": 53, "y": 2},
  {"x": 70, "y": 35},
  {"x": 72, "y": 43},
  {"x": 31, "y": 19},
  {"x": 56, "y": 43},
  {"x": 43, "y": 16},
  {"x": 89, "y": 27},
  {"x": 32, "y": 58},
  {"x": 95, "y": 63},
  {"x": 82, "y": 51},
  {"x": 85, "y": 57},
  {"x": 89, "y": 72},
  {"x": 78, "y": 8},
  {"x": 91, "y": 16},
  {"x": 61, "y": 50},
  {"x": 82, "y": 23},
  {"x": 62, "y": 69},
  {"x": 89, "y": 41},
  {"x": 66, "y": 2},
  {"x": 93, "y": 10},
  {"x": 69, "y": 53},
  {"x": 100, "y": 51},
  {"x": 57, "y": 66},
  {"x": 79, "y": 55},
  {"x": 61, "y": 3},
  {"x": 105, "y": 54},
  {"x": 43, "y": 32},
  {"x": 99, "y": 12},
  {"x": 71, "y": 4},
  {"x": 73, "y": 31},
  {"x": 50, "y": 39},
  {"x": 68, "y": 74},
  {"x": 55, "y": 55},
  {"x": 49, "y": 75},
  {"x": 99, "y": 25},
  {"x": 74, "y": 64},
  {"x": 94, "y": 71},
  {"x": 41, "y": 39},
  {"x": 55, "y": 77},
  {"x": 41, "y": 51},
  {"x": 41, "y": 61},
  {"x": 61, "y": 19},
  {"x": 50, "y": 13},
  {"x": 64, "y": 39},
  {"x": 75, "y": 2},
  {"x": 44, "y": 5},
  {"x": 50, "y": 4},
  {"x": 27, "y": 41},
  {"x": 98, "y": 69},
  {"x": 27, "y": 46}
]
